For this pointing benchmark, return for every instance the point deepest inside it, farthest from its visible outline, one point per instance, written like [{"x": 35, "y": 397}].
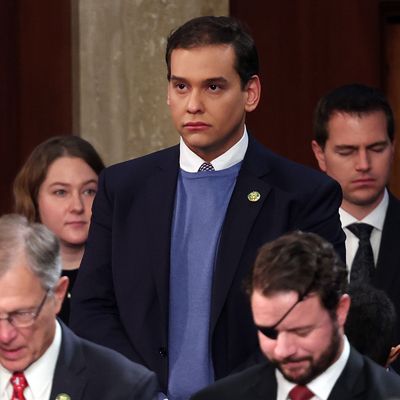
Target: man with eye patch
[
  {"x": 299, "y": 302},
  {"x": 354, "y": 144}
]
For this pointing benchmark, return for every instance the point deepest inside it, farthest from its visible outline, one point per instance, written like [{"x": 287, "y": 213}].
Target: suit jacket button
[{"x": 163, "y": 352}]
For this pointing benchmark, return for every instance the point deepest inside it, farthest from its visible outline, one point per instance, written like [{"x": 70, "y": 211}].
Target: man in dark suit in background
[
  {"x": 371, "y": 324},
  {"x": 174, "y": 233},
  {"x": 354, "y": 144},
  {"x": 299, "y": 303},
  {"x": 41, "y": 358}
]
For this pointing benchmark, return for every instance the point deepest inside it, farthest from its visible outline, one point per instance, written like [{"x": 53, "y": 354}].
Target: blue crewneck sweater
[{"x": 200, "y": 207}]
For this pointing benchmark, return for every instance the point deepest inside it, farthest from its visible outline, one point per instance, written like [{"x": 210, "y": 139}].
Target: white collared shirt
[
  {"x": 323, "y": 384},
  {"x": 376, "y": 218},
  {"x": 39, "y": 374},
  {"x": 190, "y": 162}
]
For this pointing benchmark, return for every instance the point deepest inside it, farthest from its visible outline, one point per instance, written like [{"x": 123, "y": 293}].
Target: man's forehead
[
  {"x": 19, "y": 276},
  {"x": 273, "y": 306},
  {"x": 359, "y": 116},
  {"x": 273, "y": 302},
  {"x": 352, "y": 128},
  {"x": 207, "y": 47},
  {"x": 205, "y": 57}
]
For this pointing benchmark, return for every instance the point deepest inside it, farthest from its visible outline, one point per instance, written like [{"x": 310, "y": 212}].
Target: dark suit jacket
[
  {"x": 121, "y": 295},
  {"x": 387, "y": 276},
  {"x": 361, "y": 379},
  {"x": 87, "y": 371}
]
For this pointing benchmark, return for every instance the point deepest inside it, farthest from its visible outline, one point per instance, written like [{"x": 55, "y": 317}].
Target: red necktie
[
  {"x": 300, "y": 393},
  {"x": 19, "y": 383}
]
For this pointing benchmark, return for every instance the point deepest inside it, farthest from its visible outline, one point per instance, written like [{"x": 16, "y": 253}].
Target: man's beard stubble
[{"x": 318, "y": 366}]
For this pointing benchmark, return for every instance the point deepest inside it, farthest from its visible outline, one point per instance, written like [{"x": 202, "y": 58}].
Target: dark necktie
[
  {"x": 206, "y": 167},
  {"x": 300, "y": 392},
  {"x": 363, "y": 266},
  {"x": 19, "y": 383}
]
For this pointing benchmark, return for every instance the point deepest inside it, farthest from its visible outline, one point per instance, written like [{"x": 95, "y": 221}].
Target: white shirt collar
[
  {"x": 39, "y": 374},
  {"x": 190, "y": 162},
  {"x": 323, "y": 384},
  {"x": 375, "y": 218}
]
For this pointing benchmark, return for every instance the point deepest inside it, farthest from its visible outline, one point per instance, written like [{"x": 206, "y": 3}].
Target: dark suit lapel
[
  {"x": 351, "y": 383},
  {"x": 160, "y": 200},
  {"x": 265, "y": 386},
  {"x": 145, "y": 235},
  {"x": 69, "y": 375},
  {"x": 389, "y": 252},
  {"x": 239, "y": 220}
]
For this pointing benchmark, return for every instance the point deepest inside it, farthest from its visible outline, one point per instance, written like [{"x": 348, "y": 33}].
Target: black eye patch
[{"x": 269, "y": 331}]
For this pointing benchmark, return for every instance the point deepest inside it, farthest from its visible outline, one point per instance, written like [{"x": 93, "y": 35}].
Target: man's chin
[
  {"x": 295, "y": 371},
  {"x": 364, "y": 198}
]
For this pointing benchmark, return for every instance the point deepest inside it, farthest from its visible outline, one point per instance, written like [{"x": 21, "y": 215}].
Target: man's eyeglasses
[
  {"x": 270, "y": 331},
  {"x": 24, "y": 319}
]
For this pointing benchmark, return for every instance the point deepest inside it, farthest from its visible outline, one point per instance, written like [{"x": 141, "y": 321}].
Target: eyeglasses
[
  {"x": 24, "y": 319},
  {"x": 270, "y": 331}
]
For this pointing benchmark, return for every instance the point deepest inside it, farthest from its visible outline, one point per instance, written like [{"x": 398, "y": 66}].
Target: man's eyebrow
[
  {"x": 216, "y": 79},
  {"x": 300, "y": 328},
  {"x": 352, "y": 146},
  {"x": 177, "y": 78},
  {"x": 379, "y": 143},
  {"x": 219, "y": 79},
  {"x": 345, "y": 146},
  {"x": 20, "y": 310}
]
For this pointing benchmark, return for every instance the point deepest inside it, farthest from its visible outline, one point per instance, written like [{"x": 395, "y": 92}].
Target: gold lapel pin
[
  {"x": 63, "y": 396},
  {"x": 254, "y": 196}
]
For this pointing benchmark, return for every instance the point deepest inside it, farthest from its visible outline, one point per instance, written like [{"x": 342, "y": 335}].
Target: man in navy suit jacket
[
  {"x": 299, "y": 303},
  {"x": 40, "y": 358},
  {"x": 168, "y": 248}
]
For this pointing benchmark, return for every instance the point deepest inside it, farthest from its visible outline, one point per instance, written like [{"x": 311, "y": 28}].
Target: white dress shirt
[
  {"x": 39, "y": 375},
  {"x": 323, "y": 384},
  {"x": 190, "y": 162},
  {"x": 376, "y": 218}
]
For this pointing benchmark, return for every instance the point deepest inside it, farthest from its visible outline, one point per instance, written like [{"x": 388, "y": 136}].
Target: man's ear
[
  {"x": 319, "y": 155},
  {"x": 60, "y": 291},
  {"x": 393, "y": 149},
  {"x": 342, "y": 309},
  {"x": 253, "y": 91}
]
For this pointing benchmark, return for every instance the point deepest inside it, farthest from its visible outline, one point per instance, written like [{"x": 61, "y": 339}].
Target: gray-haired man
[{"x": 41, "y": 358}]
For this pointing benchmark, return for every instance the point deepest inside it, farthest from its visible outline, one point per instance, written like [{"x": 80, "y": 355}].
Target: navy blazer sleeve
[{"x": 97, "y": 314}]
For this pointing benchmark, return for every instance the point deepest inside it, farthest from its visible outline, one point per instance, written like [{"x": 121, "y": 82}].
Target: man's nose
[
  {"x": 363, "y": 161},
  {"x": 195, "y": 104},
  {"x": 7, "y": 331},
  {"x": 285, "y": 346}
]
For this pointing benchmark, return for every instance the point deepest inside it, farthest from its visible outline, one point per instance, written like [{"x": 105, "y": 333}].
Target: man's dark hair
[
  {"x": 354, "y": 99},
  {"x": 301, "y": 262},
  {"x": 371, "y": 322},
  {"x": 205, "y": 31}
]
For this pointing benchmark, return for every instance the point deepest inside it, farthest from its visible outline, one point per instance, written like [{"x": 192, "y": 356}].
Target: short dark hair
[
  {"x": 210, "y": 30},
  {"x": 300, "y": 262},
  {"x": 351, "y": 99},
  {"x": 371, "y": 322},
  {"x": 32, "y": 174}
]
